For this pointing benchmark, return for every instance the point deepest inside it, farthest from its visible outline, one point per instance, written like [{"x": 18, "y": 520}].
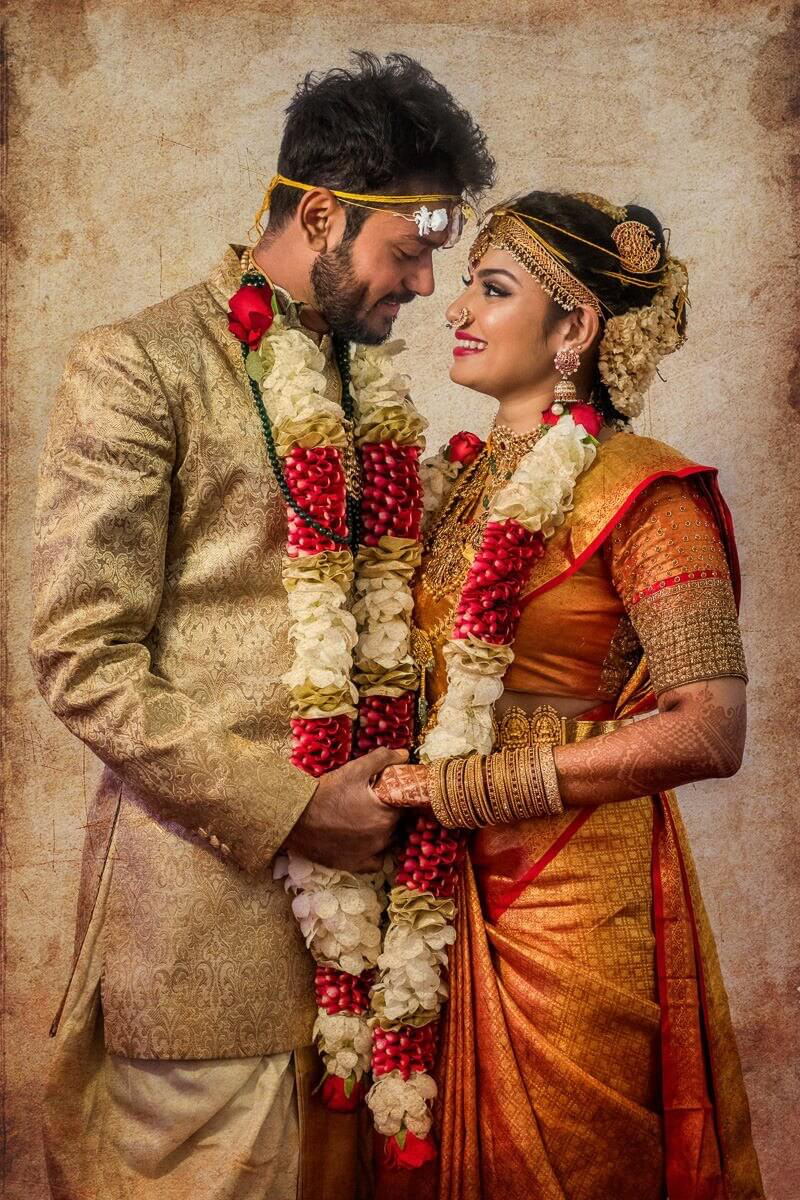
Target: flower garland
[
  {"x": 421, "y": 910},
  {"x": 352, "y": 668},
  {"x": 524, "y": 514},
  {"x": 356, "y": 663}
]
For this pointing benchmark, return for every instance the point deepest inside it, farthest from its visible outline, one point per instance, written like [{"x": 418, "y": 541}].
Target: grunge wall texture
[{"x": 139, "y": 133}]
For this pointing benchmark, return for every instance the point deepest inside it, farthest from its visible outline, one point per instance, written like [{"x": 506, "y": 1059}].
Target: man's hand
[{"x": 344, "y": 824}]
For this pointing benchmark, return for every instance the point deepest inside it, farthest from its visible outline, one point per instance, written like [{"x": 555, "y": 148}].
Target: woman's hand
[{"x": 404, "y": 787}]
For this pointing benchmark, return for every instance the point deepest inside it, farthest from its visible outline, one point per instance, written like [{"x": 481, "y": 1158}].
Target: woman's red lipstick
[{"x": 463, "y": 351}]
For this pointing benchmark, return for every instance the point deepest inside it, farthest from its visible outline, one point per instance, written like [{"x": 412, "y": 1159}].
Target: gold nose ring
[{"x": 461, "y": 320}]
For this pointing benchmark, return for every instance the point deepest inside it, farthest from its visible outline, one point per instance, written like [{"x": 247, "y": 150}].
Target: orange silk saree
[{"x": 587, "y": 1051}]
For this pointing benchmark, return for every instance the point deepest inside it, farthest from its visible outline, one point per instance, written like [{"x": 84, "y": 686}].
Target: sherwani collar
[{"x": 226, "y": 278}]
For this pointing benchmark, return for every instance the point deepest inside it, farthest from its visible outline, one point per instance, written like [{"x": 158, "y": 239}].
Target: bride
[{"x": 576, "y": 576}]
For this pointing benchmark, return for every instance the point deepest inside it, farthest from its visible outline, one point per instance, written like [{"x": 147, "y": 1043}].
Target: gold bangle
[
  {"x": 552, "y": 794},
  {"x": 457, "y": 799},
  {"x": 536, "y": 783},
  {"x": 522, "y": 784},
  {"x": 478, "y": 792},
  {"x": 496, "y": 797}
]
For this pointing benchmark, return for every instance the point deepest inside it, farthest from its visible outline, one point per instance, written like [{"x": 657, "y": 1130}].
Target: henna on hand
[
  {"x": 698, "y": 733},
  {"x": 404, "y": 786}
]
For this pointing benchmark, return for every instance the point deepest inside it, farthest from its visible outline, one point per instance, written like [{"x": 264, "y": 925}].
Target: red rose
[
  {"x": 414, "y": 1152},
  {"x": 464, "y": 448},
  {"x": 335, "y": 1096},
  {"x": 582, "y": 414},
  {"x": 587, "y": 416},
  {"x": 251, "y": 314}
]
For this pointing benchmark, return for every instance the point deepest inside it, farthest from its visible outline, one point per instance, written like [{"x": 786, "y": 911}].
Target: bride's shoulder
[{"x": 633, "y": 453}]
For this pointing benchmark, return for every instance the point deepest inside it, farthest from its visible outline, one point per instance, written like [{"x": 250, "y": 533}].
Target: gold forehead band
[{"x": 507, "y": 231}]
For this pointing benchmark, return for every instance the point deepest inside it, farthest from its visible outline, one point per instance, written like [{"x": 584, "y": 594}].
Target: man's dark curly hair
[{"x": 377, "y": 128}]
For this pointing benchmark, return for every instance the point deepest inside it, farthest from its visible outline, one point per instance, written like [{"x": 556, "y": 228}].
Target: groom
[{"x": 160, "y": 636}]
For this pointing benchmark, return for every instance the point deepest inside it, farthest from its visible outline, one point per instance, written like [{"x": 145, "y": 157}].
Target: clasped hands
[{"x": 350, "y": 820}]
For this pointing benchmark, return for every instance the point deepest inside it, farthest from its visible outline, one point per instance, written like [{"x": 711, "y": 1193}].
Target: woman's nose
[{"x": 455, "y": 309}]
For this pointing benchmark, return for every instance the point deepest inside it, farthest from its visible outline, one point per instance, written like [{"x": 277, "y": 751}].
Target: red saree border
[
  {"x": 692, "y": 1144},
  {"x": 599, "y": 538},
  {"x": 498, "y": 906}
]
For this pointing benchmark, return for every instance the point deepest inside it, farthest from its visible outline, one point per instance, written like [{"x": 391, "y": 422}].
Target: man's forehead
[{"x": 407, "y": 232}]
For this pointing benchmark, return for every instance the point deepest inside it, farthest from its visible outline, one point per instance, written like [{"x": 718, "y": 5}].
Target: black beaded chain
[
  {"x": 341, "y": 350},
  {"x": 353, "y": 509}
]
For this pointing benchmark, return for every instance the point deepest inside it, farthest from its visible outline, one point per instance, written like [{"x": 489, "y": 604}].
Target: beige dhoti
[{"x": 224, "y": 1129}]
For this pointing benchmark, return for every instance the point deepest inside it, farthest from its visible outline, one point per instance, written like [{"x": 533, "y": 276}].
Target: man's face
[{"x": 359, "y": 286}]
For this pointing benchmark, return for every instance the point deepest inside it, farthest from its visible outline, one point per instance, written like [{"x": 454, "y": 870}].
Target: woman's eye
[
  {"x": 491, "y": 289},
  {"x": 406, "y": 257},
  {"x": 466, "y": 280}
]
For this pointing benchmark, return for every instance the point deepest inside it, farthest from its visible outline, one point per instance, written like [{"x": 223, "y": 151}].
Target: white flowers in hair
[{"x": 634, "y": 342}]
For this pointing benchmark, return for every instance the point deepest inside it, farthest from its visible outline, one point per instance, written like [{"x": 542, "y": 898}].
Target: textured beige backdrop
[{"x": 140, "y": 134}]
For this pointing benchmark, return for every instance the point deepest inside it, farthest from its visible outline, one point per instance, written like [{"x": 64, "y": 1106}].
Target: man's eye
[{"x": 406, "y": 257}]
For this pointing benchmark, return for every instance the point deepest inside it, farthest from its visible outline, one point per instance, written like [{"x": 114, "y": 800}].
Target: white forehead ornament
[{"x": 431, "y": 222}]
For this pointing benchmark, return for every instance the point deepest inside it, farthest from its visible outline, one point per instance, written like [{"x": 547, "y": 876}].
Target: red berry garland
[
  {"x": 317, "y": 482},
  {"x": 391, "y": 501},
  {"x": 405, "y": 1049},
  {"x": 320, "y": 744},
  {"x": 385, "y": 721},
  {"x": 428, "y": 861},
  {"x": 489, "y": 604},
  {"x": 339, "y": 992}
]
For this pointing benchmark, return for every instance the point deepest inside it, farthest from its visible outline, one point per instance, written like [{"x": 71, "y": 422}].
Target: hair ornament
[
  {"x": 614, "y": 211},
  {"x": 636, "y": 244}
]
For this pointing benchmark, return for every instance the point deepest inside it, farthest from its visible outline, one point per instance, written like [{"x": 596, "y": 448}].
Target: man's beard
[{"x": 340, "y": 297}]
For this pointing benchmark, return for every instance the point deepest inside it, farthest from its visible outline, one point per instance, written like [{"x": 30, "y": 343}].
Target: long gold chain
[{"x": 454, "y": 540}]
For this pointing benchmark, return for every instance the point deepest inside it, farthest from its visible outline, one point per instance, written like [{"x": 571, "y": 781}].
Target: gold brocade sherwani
[{"x": 160, "y": 635}]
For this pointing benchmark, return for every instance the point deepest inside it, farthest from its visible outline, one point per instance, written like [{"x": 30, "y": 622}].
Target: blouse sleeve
[{"x": 668, "y": 563}]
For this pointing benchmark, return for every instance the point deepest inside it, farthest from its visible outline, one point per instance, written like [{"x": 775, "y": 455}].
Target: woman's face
[{"x": 506, "y": 347}]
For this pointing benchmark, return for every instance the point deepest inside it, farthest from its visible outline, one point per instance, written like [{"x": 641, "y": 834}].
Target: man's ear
[{"x": 320, "y": 218}]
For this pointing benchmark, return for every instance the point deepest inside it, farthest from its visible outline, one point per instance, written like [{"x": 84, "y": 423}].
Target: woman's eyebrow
[{"x": 496, "y": 271}]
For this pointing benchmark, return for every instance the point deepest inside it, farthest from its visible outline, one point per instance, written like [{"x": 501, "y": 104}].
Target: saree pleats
[{"x": 550, "y": 1006}]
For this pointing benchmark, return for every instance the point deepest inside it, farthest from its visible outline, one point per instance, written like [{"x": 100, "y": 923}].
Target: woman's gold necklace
[{"x": 455, "y": 538}]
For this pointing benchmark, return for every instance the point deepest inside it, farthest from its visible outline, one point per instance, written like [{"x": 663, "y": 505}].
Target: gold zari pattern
[
  {"x": 160, "y": 635},
  {"x": 690, "y": 631},
  {"x": 551, "y": 1078}
]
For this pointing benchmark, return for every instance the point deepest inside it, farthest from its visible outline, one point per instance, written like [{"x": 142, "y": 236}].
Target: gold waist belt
[{"x": 545, "y": 726}]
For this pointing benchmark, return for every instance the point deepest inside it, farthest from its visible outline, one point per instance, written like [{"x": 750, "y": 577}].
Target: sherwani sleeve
[
  {"x": 98, "y": 567},
  {"x": 668, "y": 563}
]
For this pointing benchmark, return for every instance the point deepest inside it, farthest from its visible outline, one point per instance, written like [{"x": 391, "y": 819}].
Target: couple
[{"x": 236, "y": 444}]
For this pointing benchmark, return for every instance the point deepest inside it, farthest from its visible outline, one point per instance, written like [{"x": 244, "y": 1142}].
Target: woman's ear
[
  {"x": 319, "y": 216},
  {"x": 582, "y": 328}
]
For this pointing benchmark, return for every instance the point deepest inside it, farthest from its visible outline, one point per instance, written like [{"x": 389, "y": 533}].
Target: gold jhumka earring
[{"x": 566, "y": 362}]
